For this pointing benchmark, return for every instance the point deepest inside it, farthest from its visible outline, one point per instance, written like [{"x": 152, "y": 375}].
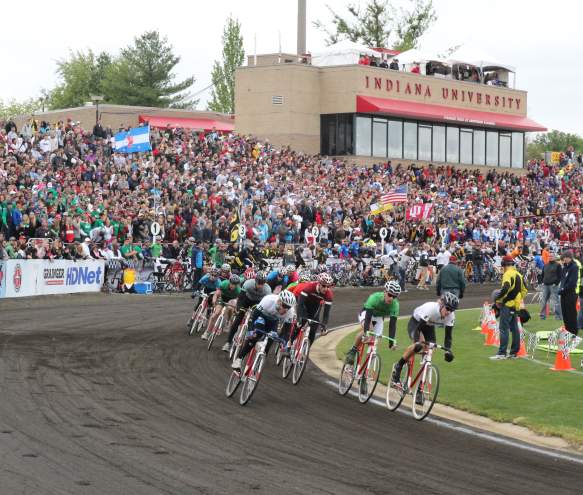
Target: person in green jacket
[{"x": 451, "y": 279}]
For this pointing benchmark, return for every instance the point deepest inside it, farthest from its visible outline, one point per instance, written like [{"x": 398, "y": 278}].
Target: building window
[
  {"x": 492, "y": 148},
  {"x": 466, "y": 138},
  {"x": 363, "y": 136},
  {"x": 379, "y": 137},
  {"x": 479, "y": 147},
  {"x": 505, "y": 144},
  {"x": 453, "y": 144},
  {"x": 424, "y": 142},
  {"x": 410, "y": 140},
  {"x": 395, "y": 139},
  {"x": 439, "y": 143},
  {"x": 517, "y": 149}
]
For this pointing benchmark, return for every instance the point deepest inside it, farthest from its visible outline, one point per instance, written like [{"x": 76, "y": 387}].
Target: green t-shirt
[
  {"x": 376, "y": 303},
  {"x": 226, "y": 293},
  {"x": 125, "y": 249},
  {"x": 156, "y": 250}
]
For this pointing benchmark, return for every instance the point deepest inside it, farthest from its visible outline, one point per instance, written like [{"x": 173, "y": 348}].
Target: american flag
[{"x": 397, "y": 195}]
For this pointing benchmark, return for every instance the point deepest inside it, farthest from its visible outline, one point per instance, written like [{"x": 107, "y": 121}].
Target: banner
[
  {"x": 22, "y": 278},
  {"x": 419, "y": 211},
  {"x": 377, "y": 210},
  {"x": 136, "y": 140}
]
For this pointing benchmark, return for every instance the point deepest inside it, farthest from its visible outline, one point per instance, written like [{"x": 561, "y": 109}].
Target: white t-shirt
[
  {"x": 429, "y": 313},
  {"x": 443, "y": 258},
  {"x": 268, "y": 306}
]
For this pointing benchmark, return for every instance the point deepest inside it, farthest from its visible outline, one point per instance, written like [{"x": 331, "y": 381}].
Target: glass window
[
  {"x": 379, "y": 137},
  {"x": 410, "y": 140},
  {"x": 363, "y": 136},
  {"x": 438, "y": 143},
  {"x": 466, "y": 137},
  {"x": 395, "y": 139},
  {"x": 425, "y": 142},
  {"x": 517, "y": 149},
  {"x": 453, "y": 144},
  {"x": 492, "y": 148},
  {"x": 479, "y": 147},
  {"x": 505, "y": 143}
]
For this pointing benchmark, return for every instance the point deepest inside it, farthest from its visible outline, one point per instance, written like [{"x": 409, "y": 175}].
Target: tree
[
  {"x": 379, "y": 24},
  {"x": 223, "y": 75},
  {"x": 143, "y": 75},
  {"x": 81, "y": 75},
  {"x": 12, "y": 108},
  {"x": 553, "y": 141}
]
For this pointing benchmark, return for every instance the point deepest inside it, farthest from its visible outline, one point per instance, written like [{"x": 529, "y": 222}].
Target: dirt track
[{"x": 108, "y": 395}]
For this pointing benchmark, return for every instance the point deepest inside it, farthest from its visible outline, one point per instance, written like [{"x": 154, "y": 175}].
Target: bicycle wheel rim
[
  {"x": 396, "y": 392},
  {"x": 369, "y": 379},
  {"x": 233, "y": 383},
  {"x": 286, "y": 367},
  {"x": 347, "y": 376},
  {"x": 215, "y": 331},
  {"x": 278, "y": 355},
  {"x": 301, "y": 362},
  {"x": 430, "y": 391},
  {"x": 251, "y": 381}
]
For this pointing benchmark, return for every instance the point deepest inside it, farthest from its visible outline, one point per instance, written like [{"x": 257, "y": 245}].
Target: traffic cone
[
  {"x": 522, "y": 351},
  {"x": 491, "y": 336},
  {"x": 562, "y": 359}
]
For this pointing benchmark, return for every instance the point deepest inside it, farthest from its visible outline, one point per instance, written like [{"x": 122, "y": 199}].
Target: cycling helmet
[
  {"x": 393, "y": 288},
  {"x": 287, "y": 298},
  {"x": 260, "y": 277},
  {"x": 325, "y": 279},
  {"x": 225, "y": 267},
  {"x": 249, "y": 273},
  {"x": 234, "y": 279},
  {"x": 450, "y": 301},
  {"x": 214, "y": 272},
  {"x": 305, "y": 275}
]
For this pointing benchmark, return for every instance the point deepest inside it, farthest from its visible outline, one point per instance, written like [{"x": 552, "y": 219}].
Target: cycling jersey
[
  {"x": 430, "y": 314},
  {"x": 207, "y": 283},
  {"x": 255, "y": 293},
  {"x": 275, "y": 278},
  {"x": 227, "y": 293},
  {"x": 376, "y": 303},
  {"x": 268, "y": 308},
  {"x": 310, "y": 293}
]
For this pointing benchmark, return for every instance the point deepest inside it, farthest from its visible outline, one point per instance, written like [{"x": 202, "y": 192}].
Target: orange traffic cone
[
  {"x": 522, "y": 351},
  {"x": 491, "y": 336},
  {"x": 562, "y": 359}
]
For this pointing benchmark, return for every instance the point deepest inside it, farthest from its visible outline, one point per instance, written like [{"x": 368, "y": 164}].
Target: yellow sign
[
  {"x": 555, "y": 157},
  {"x": 382, "y": 209}
]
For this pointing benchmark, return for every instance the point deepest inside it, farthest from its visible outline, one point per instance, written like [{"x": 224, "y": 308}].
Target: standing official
[{"x": 569, "y": 289}]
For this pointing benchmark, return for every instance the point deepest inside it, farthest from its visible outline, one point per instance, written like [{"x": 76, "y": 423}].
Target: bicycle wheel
[
  {"x": 347, "y": 376},
  {"x": 278, "y": 355},
  {"x": 301, "y": 361},
  {"x": 238, "y": 340},
  {"x": 216, "y": 330},
  {"x": 369, "y": 379},
  {"x": 426, "y": 393},
  {"x": 233, "y": 383},
  {"x": 396, "y": 391},
  {"x": 252, "y": 380},
  {"x": 286, "y": 367},
  {"x": 195, "y": 320}
]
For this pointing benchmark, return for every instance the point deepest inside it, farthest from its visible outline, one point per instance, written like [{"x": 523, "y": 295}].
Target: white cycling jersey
[
  {"x": 429, "y": 313},
  {"x": 268, "y": 306}
]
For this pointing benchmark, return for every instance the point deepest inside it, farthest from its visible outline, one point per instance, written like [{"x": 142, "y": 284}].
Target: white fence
[{"x": 23, "y": 278}]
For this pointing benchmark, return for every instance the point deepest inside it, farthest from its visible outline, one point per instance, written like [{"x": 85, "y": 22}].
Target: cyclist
[
  {"x": 421, "y": 328},
  {"x": 226, "y": 294},
  {"x": 225, "y": 272},
  {"x": 278, "y": 279},
  {"x": 208, "y": 283},
  {"x": 376, "y": 308},
  {"x": 303, "y": 276},
  {"x": 311, "y": 296},
  {"x": 252, "y": 292},
  {"x": 272, "y": 310}
]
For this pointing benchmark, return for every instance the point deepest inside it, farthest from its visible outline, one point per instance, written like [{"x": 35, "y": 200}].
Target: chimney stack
[{"x": 301, "y": 27}]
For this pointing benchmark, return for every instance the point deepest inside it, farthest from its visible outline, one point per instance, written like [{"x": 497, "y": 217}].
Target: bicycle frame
[
  {"x": 422, "y": 373},
  {"x": 365, "y": 358}
]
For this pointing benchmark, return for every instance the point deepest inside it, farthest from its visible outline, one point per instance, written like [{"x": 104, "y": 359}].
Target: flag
[
  {"x": 136, "y": 140},
  {"x": 397, "y": 195},
  {"x": 419, "y": 212},
  {"x": 377, "y": 210},
  {"x": 234, "y": 226}
]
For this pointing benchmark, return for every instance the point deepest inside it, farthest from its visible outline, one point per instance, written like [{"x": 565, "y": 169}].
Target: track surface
[{"x": 108, "y": 395}]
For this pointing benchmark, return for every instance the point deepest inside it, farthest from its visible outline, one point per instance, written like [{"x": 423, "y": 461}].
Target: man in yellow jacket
[{"x": 508, "y": 300}]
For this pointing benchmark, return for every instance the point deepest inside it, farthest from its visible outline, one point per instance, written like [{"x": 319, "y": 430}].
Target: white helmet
[
  {"x": 393, "y": 288},
  {"x": 287, "y": 298}
]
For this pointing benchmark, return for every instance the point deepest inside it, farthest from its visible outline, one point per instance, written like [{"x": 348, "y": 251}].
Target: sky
[{"x": 541, "y": 39}]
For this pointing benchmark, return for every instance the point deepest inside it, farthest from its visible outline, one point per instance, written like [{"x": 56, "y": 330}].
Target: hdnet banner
[
  {"x": 21, "y": 278},
  {"x": 136, "y": 140}
]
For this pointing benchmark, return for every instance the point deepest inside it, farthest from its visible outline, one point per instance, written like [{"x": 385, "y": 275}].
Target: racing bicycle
[
  {"x": 239, "y": 337},
  {"x": 366, "y": 368},
  {"x": 250, "y": 372},
  {"x": 424, "y": 387},
  {"x": 218, "y": 325},
  {"x": 199, "y": 319},
  {"x": 298, "y": 357}
]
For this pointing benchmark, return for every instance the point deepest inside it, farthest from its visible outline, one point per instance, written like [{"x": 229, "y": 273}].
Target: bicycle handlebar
[
  {"x": 270, "y": 335},
  {"x": 371, "y": 334}
]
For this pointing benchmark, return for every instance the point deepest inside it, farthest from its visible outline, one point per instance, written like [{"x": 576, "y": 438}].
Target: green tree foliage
[
  {"x": 223, "y": 74},
  {"x": 143, "y": 75},
  {"x": 380, "y": 24},
  {"x": 12, "y": 108},
  {"x": 81, "y": 75},
  {"x": 553, "y": 141}
]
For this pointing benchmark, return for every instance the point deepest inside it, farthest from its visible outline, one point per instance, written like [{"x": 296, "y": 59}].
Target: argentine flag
[{"x": 136, "y": 140}]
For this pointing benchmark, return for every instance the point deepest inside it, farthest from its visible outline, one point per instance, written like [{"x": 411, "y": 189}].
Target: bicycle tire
[
  {"x": 216, "y": 330},
  {"x": 368, "y": 383},
  {"x": 278, "y": 355},
  {"x": 233, "y": 383},
  {"x": 347, "y": 375},
  {"x": 286, "y": 367},
  {"x": 421, "y": 411},
  {"x": 396, "y": 392},
  {"x": 194, "y": 321},
  {"x": 251, "y": 382},
  {"x": 301, "y": 362},
  {"x": 237, "y": 342}
]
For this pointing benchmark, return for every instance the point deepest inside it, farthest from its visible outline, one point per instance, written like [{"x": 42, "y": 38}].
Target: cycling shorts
[
  {"x": 417, "y": 328},
  {"x": 377, "y": 323}
]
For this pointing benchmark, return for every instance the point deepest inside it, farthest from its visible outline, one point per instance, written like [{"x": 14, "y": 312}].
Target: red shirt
[{"x": 311, "y": 295}]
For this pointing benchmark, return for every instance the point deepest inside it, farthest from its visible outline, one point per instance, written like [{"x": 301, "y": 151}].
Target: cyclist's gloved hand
[
  {"x": 273, "y": 334},
  {"x": 448, "y": 356},
  {"x": 323, "y": 330}
]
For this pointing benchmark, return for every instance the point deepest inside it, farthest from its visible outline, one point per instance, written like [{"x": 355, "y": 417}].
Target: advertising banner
[{"x": 419, "y": 212}]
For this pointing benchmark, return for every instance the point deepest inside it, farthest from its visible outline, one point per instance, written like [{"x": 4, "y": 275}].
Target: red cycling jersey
[{"x": 311, "y": 295}]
